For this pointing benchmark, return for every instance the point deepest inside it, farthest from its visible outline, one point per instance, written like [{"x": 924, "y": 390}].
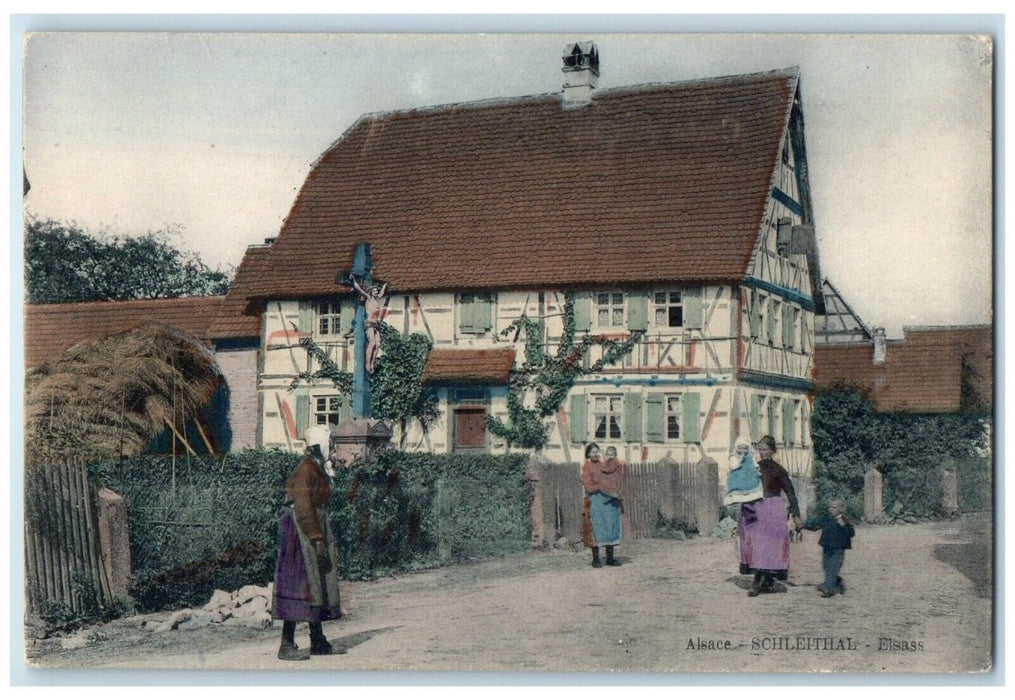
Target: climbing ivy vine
[
  {"x": 551, "y": 378},
  {"x": 327, "y": 368},
  {"x": 397, "y": 391}
]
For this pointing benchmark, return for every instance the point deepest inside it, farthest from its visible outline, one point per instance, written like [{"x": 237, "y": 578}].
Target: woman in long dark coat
[
  {"x": 306, "y": 576},
  {"x": 763, "y": 527}
]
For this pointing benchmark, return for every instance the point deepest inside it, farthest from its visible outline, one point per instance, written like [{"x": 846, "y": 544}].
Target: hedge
[
  {"x": 205, "y": 524},
  {"x": 911, "y": 450}
]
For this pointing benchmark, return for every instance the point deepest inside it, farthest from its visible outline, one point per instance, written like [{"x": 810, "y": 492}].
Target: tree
[
  {"x": 63, "y": 263},
  {"x": 397, "y": 391}
]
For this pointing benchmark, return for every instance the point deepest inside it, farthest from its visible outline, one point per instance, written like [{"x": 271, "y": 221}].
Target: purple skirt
[
  {"x": 764, "y": 537},
  {"x": 302, "y": 592}
]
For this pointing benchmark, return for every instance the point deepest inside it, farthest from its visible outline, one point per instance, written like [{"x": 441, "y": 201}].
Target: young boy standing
[{"x": 836, "y": 537}]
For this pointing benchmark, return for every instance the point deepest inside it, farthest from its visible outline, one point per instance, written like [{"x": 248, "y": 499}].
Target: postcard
[{"x": 508, "y": 352}]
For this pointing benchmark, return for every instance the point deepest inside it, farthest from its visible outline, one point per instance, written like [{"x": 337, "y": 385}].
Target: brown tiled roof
[
  {"x": 230, "y": 322},
  {"x": 651, "y": 183},
  {"x": 50, "y": 329},
  {"x": 921, "y": 374},
  {"x": 445, "y": 366}
]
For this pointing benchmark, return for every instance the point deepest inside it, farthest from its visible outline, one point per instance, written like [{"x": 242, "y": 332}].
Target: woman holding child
[
  {"x": 762, "y": 529},
  {"x": 603, "y": 481}
]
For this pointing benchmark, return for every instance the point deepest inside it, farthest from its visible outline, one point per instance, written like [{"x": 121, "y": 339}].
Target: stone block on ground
[
  {"x": 252, "y": 607},
  {"x": 219, "y": 599},
  {"x": 247, "y": 593}
]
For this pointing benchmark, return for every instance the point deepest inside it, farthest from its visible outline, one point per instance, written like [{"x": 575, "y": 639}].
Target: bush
[
  {"x": 209, "y": 524},
  {"x": 202, "y": 524},
  {"x": 414, "y": 510},
  {"x": 911, "y": 451}
]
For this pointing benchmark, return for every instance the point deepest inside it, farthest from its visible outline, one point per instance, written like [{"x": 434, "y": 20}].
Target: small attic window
[{"x": 785, "y": 154}]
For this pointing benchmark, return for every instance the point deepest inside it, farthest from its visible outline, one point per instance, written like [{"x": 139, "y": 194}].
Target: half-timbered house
[{"x": 680, "y": 212}]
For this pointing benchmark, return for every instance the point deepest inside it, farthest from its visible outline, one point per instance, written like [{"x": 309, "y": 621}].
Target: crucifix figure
[
  {"x": 369, "y": 311},
  {"x": 371, "y": 296}
]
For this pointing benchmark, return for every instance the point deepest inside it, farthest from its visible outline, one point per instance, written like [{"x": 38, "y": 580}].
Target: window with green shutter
[
  {"x": 302, "y": 412},
  {"x": 306, "y": 318},
  {"x": 756, "y": 402},
  {"x": 632, "y": 417},
  {"x": 789, "y": 422},
  {"x": 327, "y": 409},
  {"x": 773, "y": 416},
  {"x": 774, "y": 310},
  {"x": 607, "y": 416},
  {"x": 669, "y": 309},
  {"x": 609, "y": 309},
  {"x": 756, "y": 301},
  {"x": 690, "y": 404},
  {"x": 693, "y": 313},
  {"x": 655, "y": 418},
  {"x": 347, "y": 315},
  {"x": 674, "y": 417},
  {"x": 637, "y": 312},
  {"x": 582, "y": 304},
  {"x": 576, "y": 418},
  {"x": 788, "y": 326},
  {"x": 474, "y": 312}
]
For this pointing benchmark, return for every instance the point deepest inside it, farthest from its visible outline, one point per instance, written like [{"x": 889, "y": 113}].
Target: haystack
[{"x": 103, "y": 399}]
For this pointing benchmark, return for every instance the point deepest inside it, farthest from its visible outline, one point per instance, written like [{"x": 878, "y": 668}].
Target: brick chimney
[
  {"x": 880, "y": 346},
  {"x": 581, "y": 69}
]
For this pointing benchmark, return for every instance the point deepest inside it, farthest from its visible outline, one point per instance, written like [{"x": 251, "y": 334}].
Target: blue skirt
[{"x": 605, "y": 516}]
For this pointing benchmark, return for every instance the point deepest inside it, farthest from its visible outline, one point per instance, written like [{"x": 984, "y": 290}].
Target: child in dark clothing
[{"x": 836, "y": 537}]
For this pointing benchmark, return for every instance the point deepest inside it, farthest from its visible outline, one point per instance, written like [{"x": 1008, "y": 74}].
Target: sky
[{"x": 210, "y": 136}]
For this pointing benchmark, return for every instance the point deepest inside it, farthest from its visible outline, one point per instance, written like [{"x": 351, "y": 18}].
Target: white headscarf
[{"x": 320, "y": 435}]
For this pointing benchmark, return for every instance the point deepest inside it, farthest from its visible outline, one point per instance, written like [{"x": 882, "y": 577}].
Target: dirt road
[{"x": 918, "y": 600}]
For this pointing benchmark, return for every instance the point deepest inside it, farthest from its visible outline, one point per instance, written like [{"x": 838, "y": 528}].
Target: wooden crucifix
[{"x": 366, "y": 336}]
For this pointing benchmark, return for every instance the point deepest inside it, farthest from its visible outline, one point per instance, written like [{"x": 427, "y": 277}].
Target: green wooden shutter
[
  {"x": 637, "y": 311},
  {"x": 345, "y": 407},
  {"x": 788, "y": 422},
  {"x": 632, "y": 417},
  {"x": 787, "y": 326},
  {"x": 302, "y": 412},
  {"x": 576, "y": 418},
  {"x": 693, "y": 316},
  {"x": 466, "y": 313},
  {"x": 690, "y": 406},
  {"x": 655, "y": 418},
  {"x": 347, "y": 312},
  {"x": 482, "y": 309},
  {"x": 582, "y": 312},
  {"x": 306, "y": 320},
  {"x": 770, "y": 322},
  {"x": 756, "y": 418},
  {"x": 755, "y": 314}
]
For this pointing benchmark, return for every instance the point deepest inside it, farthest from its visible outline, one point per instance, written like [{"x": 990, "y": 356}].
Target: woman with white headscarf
[{"x": 306, "y": 576}]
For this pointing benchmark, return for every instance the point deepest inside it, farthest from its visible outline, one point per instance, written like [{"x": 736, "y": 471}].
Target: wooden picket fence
[
  {"x": 684, "y": 492},
  {"x": 64, "y": 570}
]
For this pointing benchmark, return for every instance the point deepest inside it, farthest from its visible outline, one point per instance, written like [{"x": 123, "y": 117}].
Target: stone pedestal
[{"x": 358, "y": 438}]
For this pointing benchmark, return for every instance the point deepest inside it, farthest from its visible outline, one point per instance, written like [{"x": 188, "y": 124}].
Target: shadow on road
[
  {"x": 971, "y": 554},
  {"x": 348, "y": 642}
]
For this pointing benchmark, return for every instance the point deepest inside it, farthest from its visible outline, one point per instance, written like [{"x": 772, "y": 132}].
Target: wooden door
[{"x": 470, "y": 428}]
